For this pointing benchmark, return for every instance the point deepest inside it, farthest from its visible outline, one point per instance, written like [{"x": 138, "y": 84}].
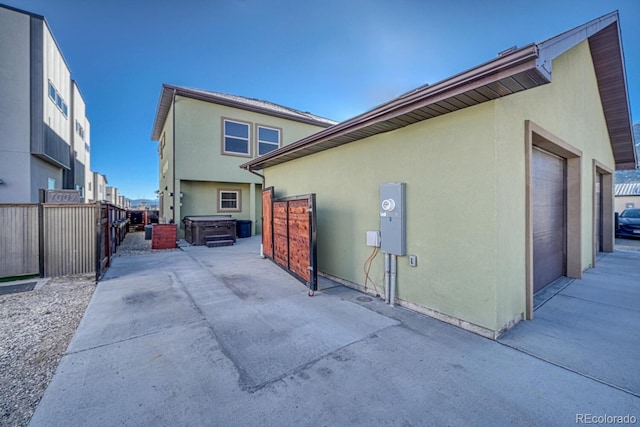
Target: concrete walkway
[{"x": 218, "y": 336}]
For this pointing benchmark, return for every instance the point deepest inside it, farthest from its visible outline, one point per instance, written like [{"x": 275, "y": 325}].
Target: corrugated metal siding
[
  {"x": 18, "y": 240},
  {"x": 37, "y": 85},
  {"x": 627, "y": 189},
  {"x": 70, "y": 239}
]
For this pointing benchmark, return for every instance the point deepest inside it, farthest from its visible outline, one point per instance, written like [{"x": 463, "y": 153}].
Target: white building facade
[{"x": 39, "y": 145}]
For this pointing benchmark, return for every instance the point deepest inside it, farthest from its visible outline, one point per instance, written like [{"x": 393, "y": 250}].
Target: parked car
[{"x": 629, "y": 223}]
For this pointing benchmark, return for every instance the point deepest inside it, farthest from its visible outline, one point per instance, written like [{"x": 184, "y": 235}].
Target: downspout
[
  {"x": 263, "y": 183},
  {"x": 173, "y": 113},
  {"x": 257, "y": 174}
]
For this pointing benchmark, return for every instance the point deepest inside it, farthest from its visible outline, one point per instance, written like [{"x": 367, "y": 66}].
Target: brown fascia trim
[
  {"x": 518, "y": 60},
  {"x": 626, "y": 166},
  {"x": 180, "y": 91}
]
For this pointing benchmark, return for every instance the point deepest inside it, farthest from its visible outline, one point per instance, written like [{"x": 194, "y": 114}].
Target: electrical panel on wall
[{"x": 393, "y": 218}]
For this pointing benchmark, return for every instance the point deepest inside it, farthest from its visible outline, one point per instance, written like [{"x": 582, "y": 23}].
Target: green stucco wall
[
  {"x": 465, "y": 177},
  {"x": 200, "y": 166},
  {"x": 200, "y": 198},
  {"x": 199, "y": 140},
  {"x": 569, "y": 108}
]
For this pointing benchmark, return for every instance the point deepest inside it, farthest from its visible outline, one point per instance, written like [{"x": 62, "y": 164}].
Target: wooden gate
[
  {"x": 267, "y": 222},
  {"x": 289, "y": 235}
]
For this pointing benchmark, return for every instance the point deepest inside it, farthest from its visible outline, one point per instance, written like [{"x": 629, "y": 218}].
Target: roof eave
[
  {"x": 522, "y": 60},
  {"x": 613, "y": 92},
  {"x": 608, "y": 57},
  {"x": 168, "y": 90},
  {"x": 164, "y": 103}
]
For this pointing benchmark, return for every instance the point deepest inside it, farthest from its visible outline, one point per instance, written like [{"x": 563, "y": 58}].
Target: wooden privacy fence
[{"x": 49, "y": 240}]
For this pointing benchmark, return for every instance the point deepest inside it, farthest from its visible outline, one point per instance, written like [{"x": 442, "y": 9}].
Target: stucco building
[
  {"x": 508, "y": 179},
  {"x": 627, "y": 196},
  {"x": 204, "y": 137},
  {"x": 44, "y": 143}
]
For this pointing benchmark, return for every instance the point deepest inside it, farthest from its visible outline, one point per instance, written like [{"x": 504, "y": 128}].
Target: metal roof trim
[
  {"x": 542, "y": 54},
  {"x": 627, "y": 189},
  {"x": 517, "y": 60},
  {"x": 286, "y": 112},
  {"x": 555, "y": 46}
]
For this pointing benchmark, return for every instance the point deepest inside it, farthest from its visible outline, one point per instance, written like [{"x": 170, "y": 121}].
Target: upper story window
[
  {"x": 235, "y": 139},
  {"x": 268, "y": 139},
  {"x": 80, "y": 130},
  {"x": 54, "y": 95}
]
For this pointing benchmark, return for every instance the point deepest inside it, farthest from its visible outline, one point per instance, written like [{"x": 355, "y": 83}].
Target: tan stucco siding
[
  {"x": 448, "y": 165},
  {"x": 622, "y": 201}
]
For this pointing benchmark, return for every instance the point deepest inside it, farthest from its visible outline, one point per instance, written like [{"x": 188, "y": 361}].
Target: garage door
[
  {"x": 598, "y": 213},
  {"x": 548, "y": 195}
]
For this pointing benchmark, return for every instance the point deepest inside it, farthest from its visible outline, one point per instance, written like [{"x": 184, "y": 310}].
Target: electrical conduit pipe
[
  {"x": 386, "y": 277},
  {"x": 392, "y": 288}
]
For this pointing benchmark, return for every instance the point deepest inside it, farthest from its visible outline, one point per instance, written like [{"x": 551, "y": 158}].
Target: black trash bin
[
  {"x": 243, "y": 228},
  {"x": 148, "y": 230}
]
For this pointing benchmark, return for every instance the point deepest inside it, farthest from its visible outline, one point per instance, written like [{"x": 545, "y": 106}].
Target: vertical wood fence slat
[{"x": 18, "y": 240}]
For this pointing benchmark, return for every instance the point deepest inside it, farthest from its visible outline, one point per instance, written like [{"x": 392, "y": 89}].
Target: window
[
  {"x": 57, "y": 99},
  {"x": 52, "y": 92},
  {"x": 268, "y": 139},
  {"x": 51, "y": 184},
  {"x": 79, "y": 129},
  {"x": 228, "y": 200},
  {"x": 235, "y": 138}
]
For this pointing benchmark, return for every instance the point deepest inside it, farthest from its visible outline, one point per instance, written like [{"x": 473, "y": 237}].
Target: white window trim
[
  {"x": 238, "y": 194},
  {"x": 258, "y": 141},
  {"x": 224, "y": 137}
]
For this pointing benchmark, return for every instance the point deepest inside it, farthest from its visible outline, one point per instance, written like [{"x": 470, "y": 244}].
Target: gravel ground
[
  {"x": 36, "y": 328},
  {"x": 134, "y": 244}
]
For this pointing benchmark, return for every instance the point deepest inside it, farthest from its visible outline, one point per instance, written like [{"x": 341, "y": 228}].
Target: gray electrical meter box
[{"x": 392, "y": 218}]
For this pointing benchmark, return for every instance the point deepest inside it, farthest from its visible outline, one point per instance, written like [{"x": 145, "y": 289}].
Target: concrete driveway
[{"x": 218, "y": 336}]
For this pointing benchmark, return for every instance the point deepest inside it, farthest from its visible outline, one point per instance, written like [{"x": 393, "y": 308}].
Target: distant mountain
[{"x": 136, "y": 202}]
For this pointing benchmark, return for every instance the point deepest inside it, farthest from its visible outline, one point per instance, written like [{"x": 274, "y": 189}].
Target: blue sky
[{"x": 334, "y": 58}]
